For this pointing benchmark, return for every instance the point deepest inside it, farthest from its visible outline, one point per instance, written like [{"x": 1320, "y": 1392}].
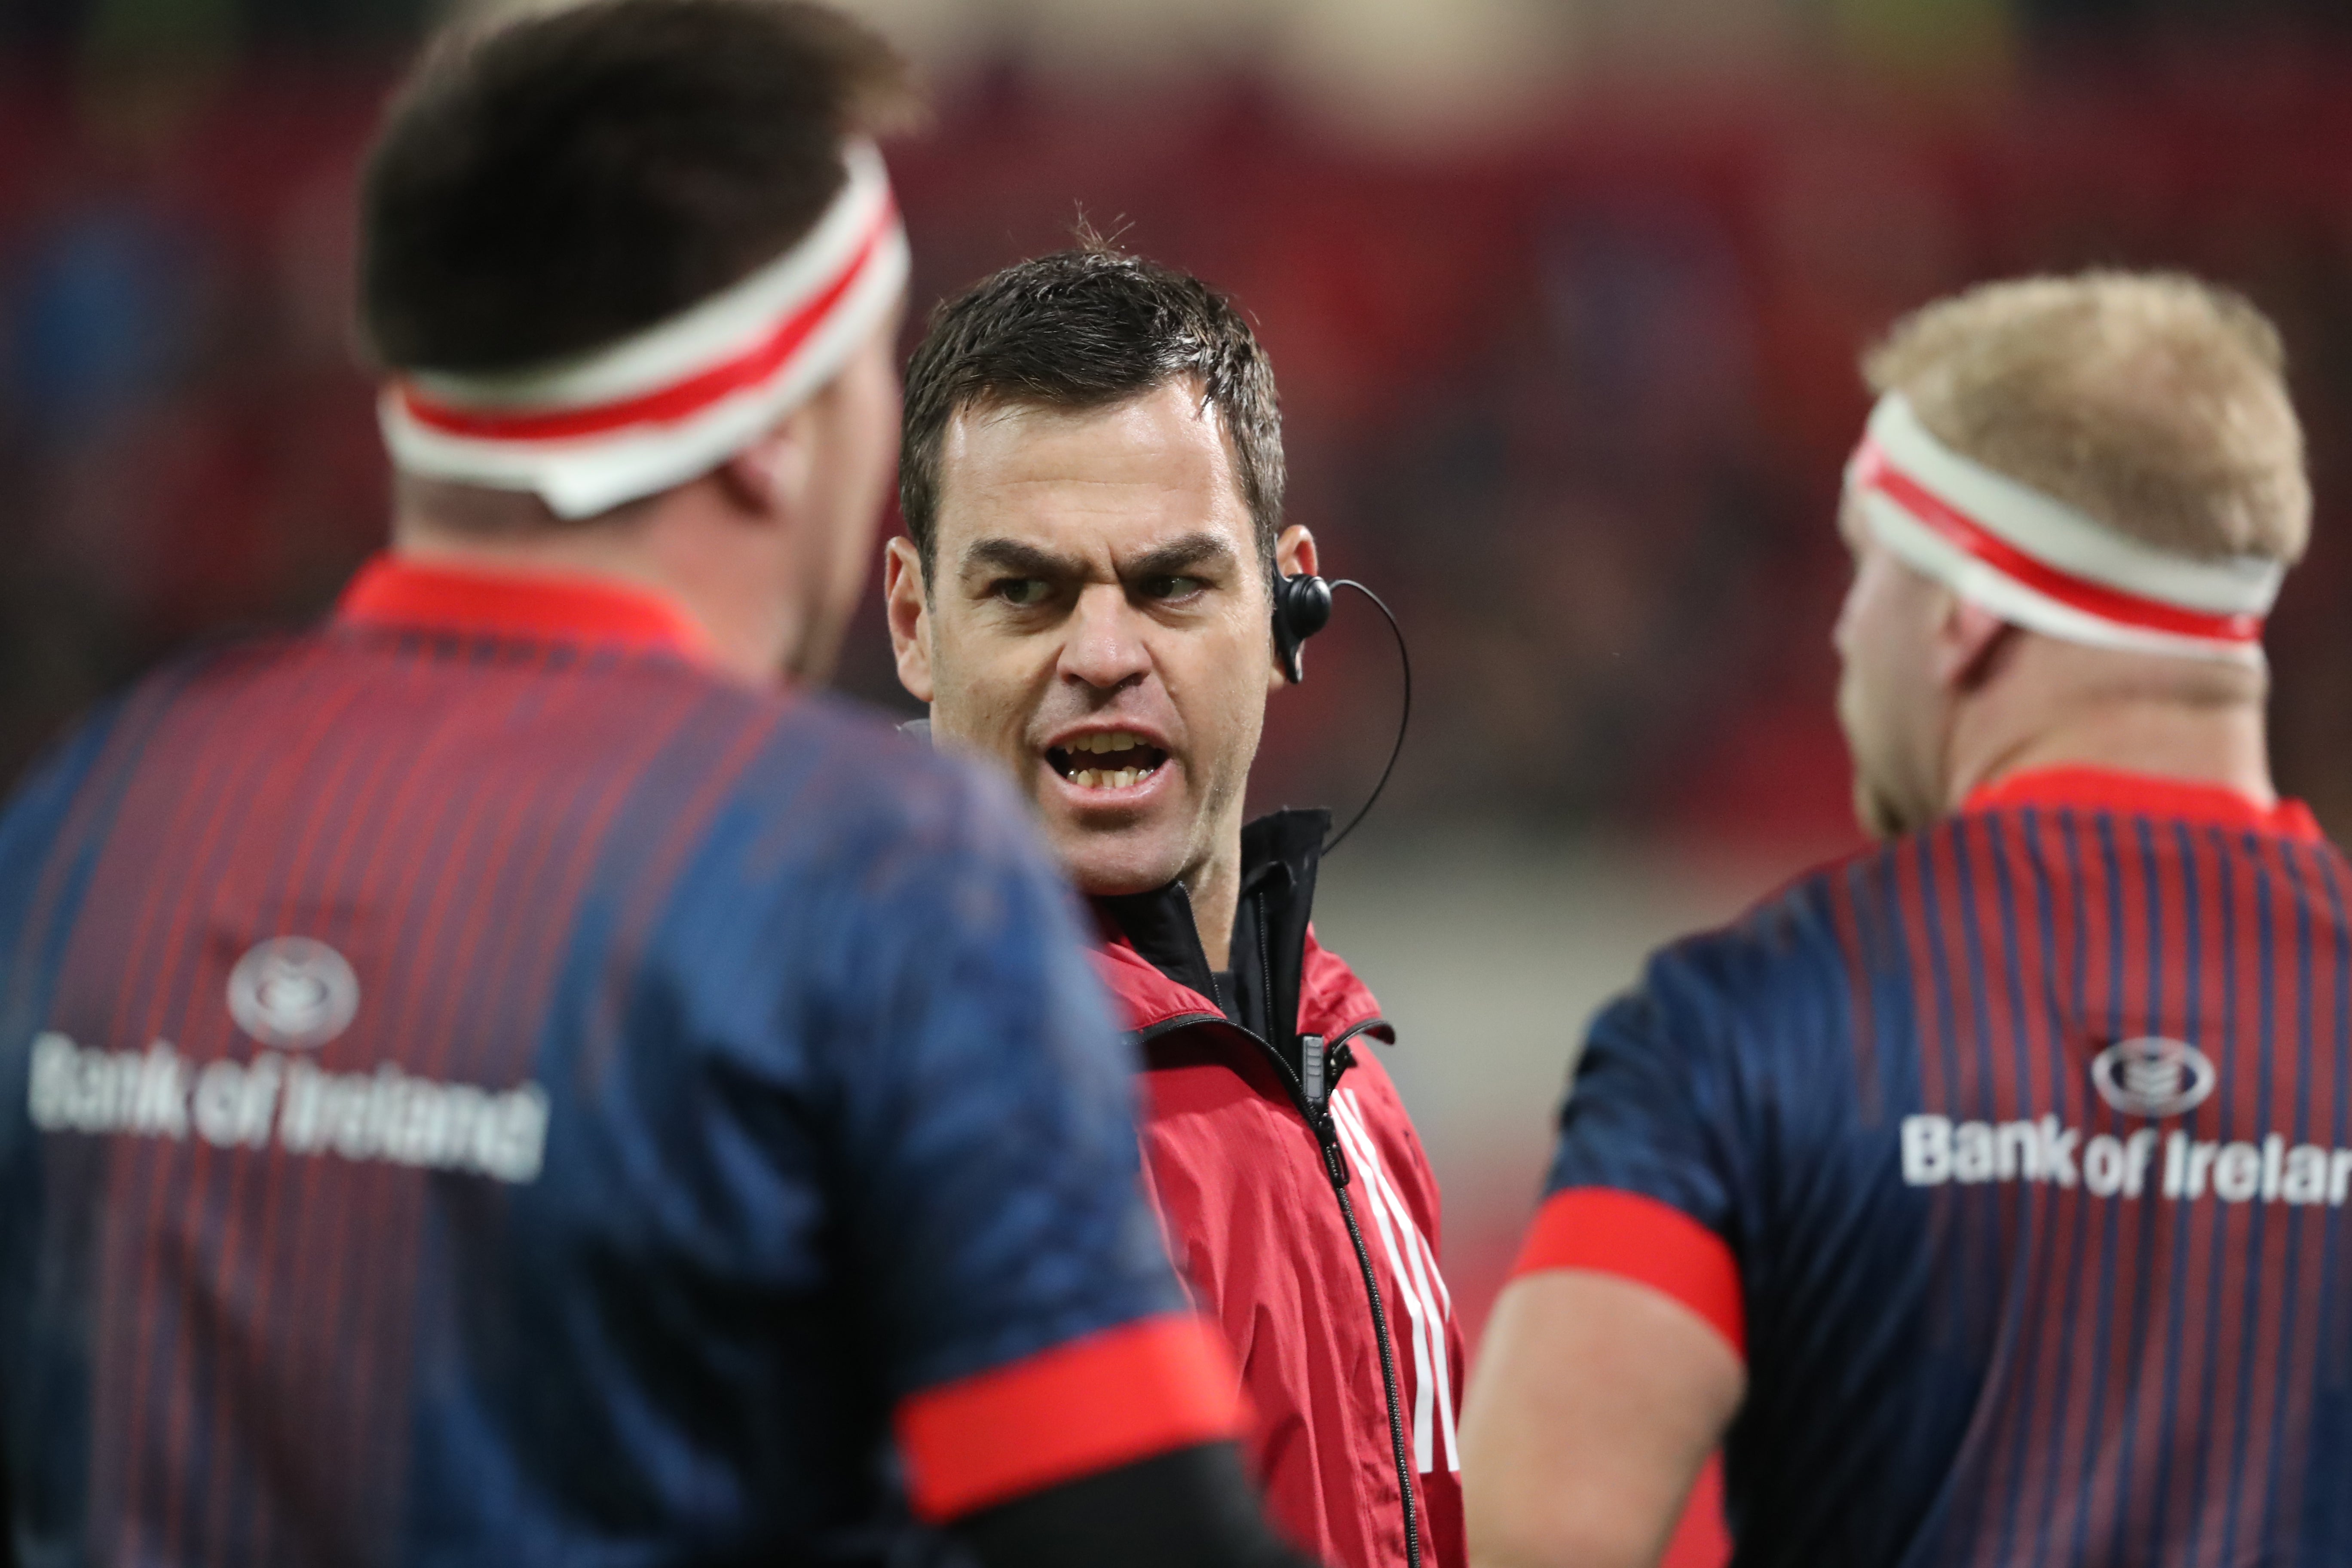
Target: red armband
[
  {"x": 1643, "y": 1240},
  {"x": 1094, "y": 1404}
]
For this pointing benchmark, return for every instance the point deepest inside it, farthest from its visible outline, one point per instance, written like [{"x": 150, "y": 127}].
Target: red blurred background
[{"x": 1571, "y": 382}]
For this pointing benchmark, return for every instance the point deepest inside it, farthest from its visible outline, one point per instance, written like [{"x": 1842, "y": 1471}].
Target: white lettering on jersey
[
  {"x": 1937, "y": 1151},
  {"x": 383, "y": 1115}
]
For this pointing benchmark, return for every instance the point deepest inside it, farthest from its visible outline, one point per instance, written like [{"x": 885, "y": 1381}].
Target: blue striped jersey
[
  {"x": 2014, "y": 1156},
  {"x": 479, "y": 1087}
]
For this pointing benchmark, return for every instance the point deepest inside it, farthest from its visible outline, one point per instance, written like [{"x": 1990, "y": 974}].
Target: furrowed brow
[
  {"x": 1011, "y": 558},
  {"x": 1180, "y": 557}
]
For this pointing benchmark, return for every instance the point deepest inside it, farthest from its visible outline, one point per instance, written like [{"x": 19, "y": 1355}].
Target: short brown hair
[
  {"x": 552, "y": 184},
  {"x": 1081, "y": 329},
  {"x": 2154, "y": 402}
]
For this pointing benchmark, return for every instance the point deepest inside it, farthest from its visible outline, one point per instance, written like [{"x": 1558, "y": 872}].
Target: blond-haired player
[{"x": 1981, "y": 1194}]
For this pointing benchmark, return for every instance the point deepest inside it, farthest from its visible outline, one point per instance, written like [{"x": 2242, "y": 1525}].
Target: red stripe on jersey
[
  {"x": 1846, "y": 922},
  {"x": 2112, "y": 789},
  {"x": 1643, "y": 1240},
  {"x": 2062, "y": 1447},
  {"x": 147, "y": 1191},
  {"x": 1873, "y": 470},
  {"x": 1905, "y": 905},
  {"x": 474, "y": 601},
  {"x": 2274, "y": 1306},
  {"x": 669, "y": 404},
  {"x": 1110, "y": 1399}
]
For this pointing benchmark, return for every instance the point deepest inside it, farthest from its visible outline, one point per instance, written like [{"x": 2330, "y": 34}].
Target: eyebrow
[
  {"x": 1180, "y": 555},
  {"x": 1011, "y": 558}
]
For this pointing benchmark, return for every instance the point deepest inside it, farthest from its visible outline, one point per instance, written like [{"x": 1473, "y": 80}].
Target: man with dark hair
[
  {"x": 496, "y": 1078},
  {"x": 1092, "y": 484}
]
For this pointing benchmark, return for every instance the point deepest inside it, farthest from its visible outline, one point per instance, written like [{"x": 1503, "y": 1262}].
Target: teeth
[
  {"x": 1109, "y": 778},
  {"x": 1108, "y": 740}
]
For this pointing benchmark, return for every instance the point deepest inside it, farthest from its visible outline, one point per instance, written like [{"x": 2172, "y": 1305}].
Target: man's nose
[{"x": 1104, "y": 646}]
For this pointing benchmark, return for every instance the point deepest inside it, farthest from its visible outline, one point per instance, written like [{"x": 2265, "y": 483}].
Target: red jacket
[{"x": 1235, "y": 1156}]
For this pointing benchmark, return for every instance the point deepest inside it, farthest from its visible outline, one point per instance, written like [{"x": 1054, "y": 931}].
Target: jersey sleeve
[
  {"x": 1030, "y": 1325},
  {"x": 1644, "y": 1184}
]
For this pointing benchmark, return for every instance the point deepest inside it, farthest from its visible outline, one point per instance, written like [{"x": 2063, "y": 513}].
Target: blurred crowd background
[{"x": 1564, "y": 297}]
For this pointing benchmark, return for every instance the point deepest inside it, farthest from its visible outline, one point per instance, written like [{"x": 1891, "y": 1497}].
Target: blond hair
[{"x": 2154, "y": 402}]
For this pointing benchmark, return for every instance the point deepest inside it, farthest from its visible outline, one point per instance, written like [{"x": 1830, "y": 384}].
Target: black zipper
[
  {"x": 1266, "y": 967},
  {"x": 1318, "y": 1115},
  {"x": 1336, "y": 1165}
]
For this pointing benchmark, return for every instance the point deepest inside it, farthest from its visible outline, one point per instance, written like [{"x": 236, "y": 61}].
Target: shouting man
[{"x": 1092, "y": 485}]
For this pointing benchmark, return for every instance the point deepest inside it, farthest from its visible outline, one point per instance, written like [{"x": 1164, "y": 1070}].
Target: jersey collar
[
  {"x": 569, "y": 607},
  {"x": 2111, "y": 789}
]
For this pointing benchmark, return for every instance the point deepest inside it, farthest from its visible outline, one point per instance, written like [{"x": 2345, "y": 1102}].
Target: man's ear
[
  {"x": 769, "y": 480},
  {"x": 907, "y": 604},
  {"x": 1295, "y": 556},
  {"x": 1968, "y": 639}
]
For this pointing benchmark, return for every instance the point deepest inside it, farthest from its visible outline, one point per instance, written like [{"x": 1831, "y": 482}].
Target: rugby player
[
  {"x": 1983, "y": 1194},
  {"x": 496, "y": 1079},
  {"x": 1092, "y": 487}
]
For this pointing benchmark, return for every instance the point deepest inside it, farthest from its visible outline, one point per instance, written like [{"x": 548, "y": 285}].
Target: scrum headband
[
  {"x": 676, "y": 400},
  {"x": 2042, "y": 565}
]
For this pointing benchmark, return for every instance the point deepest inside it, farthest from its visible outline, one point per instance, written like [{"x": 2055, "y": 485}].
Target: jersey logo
[
  {"x": 294, "y": 993},
  {"x": 2152, "y": 1077}
]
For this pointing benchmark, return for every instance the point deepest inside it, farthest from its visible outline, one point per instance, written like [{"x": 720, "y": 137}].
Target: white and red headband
[
  {"x": 679, "y": 399},
  {"x": 2042, "y": 565}
]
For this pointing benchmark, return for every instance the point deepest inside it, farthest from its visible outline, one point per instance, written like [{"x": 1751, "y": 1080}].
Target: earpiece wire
[{"x": 1404, "y": 718}]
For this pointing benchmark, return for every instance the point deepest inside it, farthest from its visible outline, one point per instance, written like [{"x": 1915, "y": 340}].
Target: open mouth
[{"x": 1107, "y": 760}]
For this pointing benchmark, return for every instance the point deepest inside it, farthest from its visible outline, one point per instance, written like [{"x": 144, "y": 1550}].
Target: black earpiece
[{"x": 1302, "y": 606}]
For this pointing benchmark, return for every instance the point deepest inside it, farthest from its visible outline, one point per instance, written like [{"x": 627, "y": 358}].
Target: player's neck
[
  {"x": 2220, "y": 743},
  {"x": 744, "y": 627}
]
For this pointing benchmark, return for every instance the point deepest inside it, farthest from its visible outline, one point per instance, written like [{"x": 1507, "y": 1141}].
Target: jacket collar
[
  {"x": 2111, "y": 789},
  {"x": 565, "y": 608},
  {"x": 1153, "y": 960},
  {"x": 1333, "y": 1000}
]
